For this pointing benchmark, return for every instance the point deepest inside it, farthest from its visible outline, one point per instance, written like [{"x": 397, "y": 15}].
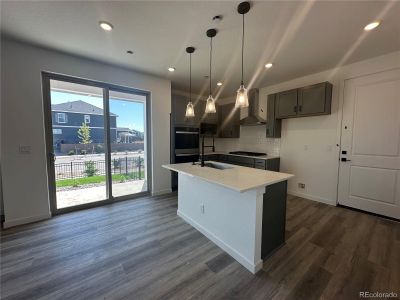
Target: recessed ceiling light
[
  {"x": 106, "y": 25},
  {"x": 219, "y": 83},
  {"x": 268, "y": 65},
  {"x": 129, "y": 51},
  {"x": 171, "y": 69},
  {"x": 371, "y": 26}
]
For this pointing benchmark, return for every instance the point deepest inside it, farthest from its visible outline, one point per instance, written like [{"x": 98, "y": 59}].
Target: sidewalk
[{"x": 98, "y": 193}]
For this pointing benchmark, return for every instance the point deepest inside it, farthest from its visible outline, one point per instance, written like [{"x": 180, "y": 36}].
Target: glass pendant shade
[
  {"x": 210, "y": 105},
  {"x": 241, "y": 98},
  {"x": 189, "y": 110}
]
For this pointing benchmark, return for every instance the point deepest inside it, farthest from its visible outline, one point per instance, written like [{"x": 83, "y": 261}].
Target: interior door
[{"x": 369, "y": 174}]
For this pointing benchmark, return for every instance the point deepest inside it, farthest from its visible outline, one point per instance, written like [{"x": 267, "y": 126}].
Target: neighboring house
[
  {"x": 68, "y": 118},
  {"x": 127, "y": 135}
]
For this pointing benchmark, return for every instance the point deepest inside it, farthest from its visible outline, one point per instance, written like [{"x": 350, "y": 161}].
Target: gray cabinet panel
[
  {"x": 229, "y": 121},
  {"x": 273, "y": 127},
  {"x": 273, "y": 164},
  {"x": 315, "y": 99},
  {"x": 241, "y": 161},
  {"x": 286, "y": 104},
  {"x": 260, "y": 164}
]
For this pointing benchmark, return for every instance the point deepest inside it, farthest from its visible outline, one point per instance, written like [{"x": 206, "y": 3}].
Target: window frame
[{"x": 65, "y": 118}]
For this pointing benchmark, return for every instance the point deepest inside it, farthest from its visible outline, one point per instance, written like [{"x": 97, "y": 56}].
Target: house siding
[{"x": 67, "y": 133}]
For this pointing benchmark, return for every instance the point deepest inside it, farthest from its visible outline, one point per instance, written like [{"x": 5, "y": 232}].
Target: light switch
[{"x": 24, "y": 149}]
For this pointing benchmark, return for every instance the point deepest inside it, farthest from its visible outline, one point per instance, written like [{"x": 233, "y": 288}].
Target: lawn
[{"x": 97, "y": 179}]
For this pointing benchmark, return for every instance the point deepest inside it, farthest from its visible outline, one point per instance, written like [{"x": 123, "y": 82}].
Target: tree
[{"x": 84, "y": 135}]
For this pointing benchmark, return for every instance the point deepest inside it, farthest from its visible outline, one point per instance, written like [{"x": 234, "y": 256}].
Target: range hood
[{"x": 255, "y": 114}]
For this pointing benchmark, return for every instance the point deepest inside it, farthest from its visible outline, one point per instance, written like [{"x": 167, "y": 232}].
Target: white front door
[{"x": 369, "y": 174}]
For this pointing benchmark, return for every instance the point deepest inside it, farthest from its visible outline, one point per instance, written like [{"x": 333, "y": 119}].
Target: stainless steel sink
[{"x": 217, "y": 166}]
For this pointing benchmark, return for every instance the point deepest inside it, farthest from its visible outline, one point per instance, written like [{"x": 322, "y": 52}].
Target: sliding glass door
[
  {"x": 128, "y": 153},
  {"x": 96, "y": 138}
]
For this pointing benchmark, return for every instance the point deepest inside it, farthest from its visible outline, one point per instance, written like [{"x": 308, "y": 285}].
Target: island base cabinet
[
  {"x": 230, "y": 219},
  {"x": 274, "y": 218}
]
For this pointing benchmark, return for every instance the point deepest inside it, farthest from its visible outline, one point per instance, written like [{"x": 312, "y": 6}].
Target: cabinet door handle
[
  {"x": 299, "y": 108},
  {"x": 295, "y": 109}
]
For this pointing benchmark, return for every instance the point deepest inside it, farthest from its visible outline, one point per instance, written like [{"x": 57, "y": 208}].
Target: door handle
[
  {"x": 52, "y": 157},
  {"x": 344, "y": 159},
  {"x": 295, "y": 109}
]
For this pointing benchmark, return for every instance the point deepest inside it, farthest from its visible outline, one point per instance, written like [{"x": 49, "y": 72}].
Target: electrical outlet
[
  {"x": 202, "y": 208},
  {"x": 301, "y": 185}
]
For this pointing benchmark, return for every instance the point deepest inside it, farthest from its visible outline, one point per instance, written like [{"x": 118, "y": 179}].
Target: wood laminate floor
[{"x": 140, "y": 249}]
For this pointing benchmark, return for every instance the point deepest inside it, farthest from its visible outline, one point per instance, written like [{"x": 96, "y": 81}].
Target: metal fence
[{"x": 128, "y": 166}]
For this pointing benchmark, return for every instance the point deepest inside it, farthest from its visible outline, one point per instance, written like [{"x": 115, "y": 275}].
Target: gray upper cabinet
[
  {"x": 229, "y": 123},
  {"x": 306, "y": 101},
  {"x": 273, "y": 124},
  {"x": 315, "y": 99},
  {"x": 286, "y": 104}
]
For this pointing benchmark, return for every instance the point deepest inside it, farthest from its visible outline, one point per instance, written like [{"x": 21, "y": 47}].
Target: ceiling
[{"x": 298, "y": 37}]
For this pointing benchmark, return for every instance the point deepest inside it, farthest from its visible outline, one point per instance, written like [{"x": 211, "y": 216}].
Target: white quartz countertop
[{"x": 238, "y": 178}]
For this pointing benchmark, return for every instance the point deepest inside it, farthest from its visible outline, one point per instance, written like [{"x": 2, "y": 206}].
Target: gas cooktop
[{"x": 246, "y": 153}]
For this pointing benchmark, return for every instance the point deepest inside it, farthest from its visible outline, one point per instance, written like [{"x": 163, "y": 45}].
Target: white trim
[
  {"x": 253, "y": 268},
  {"x": 81, "y": 113},
  {"x": 21, "y": 221},
  {"x": 313, "y": 198},
  {"x": 74, "y": 126}
]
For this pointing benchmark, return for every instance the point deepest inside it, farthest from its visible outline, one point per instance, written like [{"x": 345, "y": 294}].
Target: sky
[{"x": 130, "y": 114}]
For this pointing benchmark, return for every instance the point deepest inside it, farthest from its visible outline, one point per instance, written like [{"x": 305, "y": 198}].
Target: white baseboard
[
  {"x": 253, "y": 268},
  {"x": 21, "y": 221},
  {"x": 162, "y": 192},
  {"x": 311, "y": 197}
]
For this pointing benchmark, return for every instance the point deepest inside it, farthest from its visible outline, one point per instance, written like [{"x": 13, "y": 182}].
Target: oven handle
[
  {"x": 187, "y": 154},
  {"x": 187, "y": 132}
]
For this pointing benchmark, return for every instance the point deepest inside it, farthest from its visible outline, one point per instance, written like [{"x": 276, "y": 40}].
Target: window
[
  {"x": 87, "y": 119},
  {"x": 61, "y": 118},
  {"x": 57, "y": 131}
]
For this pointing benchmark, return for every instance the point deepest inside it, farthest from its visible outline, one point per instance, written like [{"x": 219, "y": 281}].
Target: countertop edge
[{"x": 167, "y": 166}]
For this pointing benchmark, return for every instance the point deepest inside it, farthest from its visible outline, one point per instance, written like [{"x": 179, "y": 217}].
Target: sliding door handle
[{"x": 344, "y": 159}]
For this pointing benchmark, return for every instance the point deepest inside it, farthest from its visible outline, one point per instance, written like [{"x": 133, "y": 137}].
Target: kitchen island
[{"x": 242, "y": 210}]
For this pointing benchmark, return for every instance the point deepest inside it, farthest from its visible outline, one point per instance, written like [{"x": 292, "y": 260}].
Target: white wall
[
  {"x": 25, "y": 188},
  {"x": 309, "y": 145}
]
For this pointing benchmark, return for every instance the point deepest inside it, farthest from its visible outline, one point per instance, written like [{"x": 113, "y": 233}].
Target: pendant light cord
[
  {"x": 242, "y": 46},
  {"x": 210, "y": 62},
  {"x": 190, "y": 77}
]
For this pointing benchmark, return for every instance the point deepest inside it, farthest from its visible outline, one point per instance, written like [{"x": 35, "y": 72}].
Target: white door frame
[{"x": 341, "y": 108}]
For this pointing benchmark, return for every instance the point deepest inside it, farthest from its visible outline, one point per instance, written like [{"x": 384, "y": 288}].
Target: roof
[
  {"x": 79, "y": 106},
  {"x": 126, "y": 129}
]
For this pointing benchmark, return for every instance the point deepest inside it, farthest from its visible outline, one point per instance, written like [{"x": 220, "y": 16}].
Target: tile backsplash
[{"x": 252, "y": 138}]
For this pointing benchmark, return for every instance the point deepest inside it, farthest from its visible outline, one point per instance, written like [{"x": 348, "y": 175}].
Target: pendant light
[
  {"x": 242, "y": 99},
  {"x": 189, "y": 107},
  {"x": 210, "y": 104}
]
